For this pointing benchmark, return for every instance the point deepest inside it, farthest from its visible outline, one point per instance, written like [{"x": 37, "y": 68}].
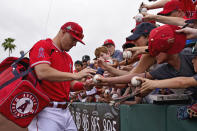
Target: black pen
[{"x": 185, "y": 25}]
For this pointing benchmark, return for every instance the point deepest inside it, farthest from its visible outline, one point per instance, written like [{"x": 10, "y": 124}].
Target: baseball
[
  {"x": 112, "y": 103},
  {"x": 124, "y": 54},
  {"x": 107, "y": 91},
  {"x": 139, "y": 17},
  {"x": 95, "y": 78},
  {"x": 144, "y": 10},
  {"x": 127, "y": 54},
  {"x": 135, "y": 82},
  {"x": 114, "y": 96}
]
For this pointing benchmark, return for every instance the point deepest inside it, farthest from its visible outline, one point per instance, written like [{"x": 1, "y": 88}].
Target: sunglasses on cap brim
[{"x": 76, "y": 33}]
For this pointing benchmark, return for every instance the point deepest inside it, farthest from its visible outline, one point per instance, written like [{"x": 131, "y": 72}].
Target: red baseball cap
[
  {"x": 171, "y": 6},
  {"x": 109, "y": 41},
  {"x": 75, "y": 30},
  {"x": 165, "y": 39},
  {"x": 193, "y": 19}
]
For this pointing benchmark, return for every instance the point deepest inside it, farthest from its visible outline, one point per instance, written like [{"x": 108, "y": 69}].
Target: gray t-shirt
[
  {"x": 117, "y": 55},
  {"x": 166, "y": 71}
]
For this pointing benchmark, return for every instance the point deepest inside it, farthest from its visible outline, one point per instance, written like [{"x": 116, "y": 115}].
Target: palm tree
[{"x": 7, "y": 44}]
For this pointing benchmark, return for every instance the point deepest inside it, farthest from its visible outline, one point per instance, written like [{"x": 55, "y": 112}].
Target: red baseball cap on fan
[
  {"x": 108, "y": 42},
  {"x": 171, "y": 6},
  {"x": 165, "y": 39},
  {"x": 75, "y": 30}
]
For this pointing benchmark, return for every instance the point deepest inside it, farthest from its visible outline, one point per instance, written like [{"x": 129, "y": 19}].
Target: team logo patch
[
  {"x": 24, "y": 104},
  {"x": 41, "y": 52}
]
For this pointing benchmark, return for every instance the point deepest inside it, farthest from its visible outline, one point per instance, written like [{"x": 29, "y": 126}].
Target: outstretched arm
[
  {"x": 156, "y": 5},
  {"x": 190, "y": 32},
  {"x": 145, "y": 62},
  {"x": 45, "y": 72},
  {"x": 123, "y": 79},
  {"x": 164, "y": 19},
  {"x": 111, "y": 69},
  {"x": 178, "y": 82}
]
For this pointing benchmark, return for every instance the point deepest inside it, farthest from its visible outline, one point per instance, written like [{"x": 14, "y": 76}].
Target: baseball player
[{"x": 54, "y": 67}]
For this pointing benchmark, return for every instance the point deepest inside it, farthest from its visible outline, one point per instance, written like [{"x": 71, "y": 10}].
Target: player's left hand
[
  {"x": 84, "y": 73},
  {"x": 89, "y": 84}
]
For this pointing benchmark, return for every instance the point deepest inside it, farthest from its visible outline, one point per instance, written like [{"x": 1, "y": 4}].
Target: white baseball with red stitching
[
  {"x": 135, "y": 82},
  {"x": 127, "y": 54},
  {"x": 139, "y": 17},
  {"x": 144, "y": 10},
  {"x": 95, "y": 78}
]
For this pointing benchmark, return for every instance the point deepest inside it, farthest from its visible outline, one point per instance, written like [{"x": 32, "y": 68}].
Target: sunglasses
[{"x": 76, "y": 33}]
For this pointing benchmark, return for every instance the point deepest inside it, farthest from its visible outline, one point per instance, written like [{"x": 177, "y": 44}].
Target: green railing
[
  {"x": 148, "y": 117},
  {"x": 142, "y": 117},
  {"x": 102, "y": 117}
]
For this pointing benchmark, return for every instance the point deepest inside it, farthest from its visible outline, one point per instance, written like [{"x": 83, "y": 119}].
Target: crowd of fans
[{"x": 164, "y": 57}]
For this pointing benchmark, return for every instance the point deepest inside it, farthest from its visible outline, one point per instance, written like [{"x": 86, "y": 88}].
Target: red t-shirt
[
  {"x": 44, "y": 51},
  {"x": 189, "y": 7}
]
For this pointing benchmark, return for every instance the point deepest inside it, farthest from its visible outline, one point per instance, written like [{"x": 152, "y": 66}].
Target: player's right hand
[{"x": 85, "y": 72}]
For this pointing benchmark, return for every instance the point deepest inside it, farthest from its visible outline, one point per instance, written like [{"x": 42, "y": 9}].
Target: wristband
[{"x": 78, "y": 86}]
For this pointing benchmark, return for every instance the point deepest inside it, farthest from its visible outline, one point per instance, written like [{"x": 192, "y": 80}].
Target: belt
[{"x": 58, "y": 105}]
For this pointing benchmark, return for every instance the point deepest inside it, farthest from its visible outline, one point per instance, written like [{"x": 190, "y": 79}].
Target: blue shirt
[{"x": 117, "y": 55}]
